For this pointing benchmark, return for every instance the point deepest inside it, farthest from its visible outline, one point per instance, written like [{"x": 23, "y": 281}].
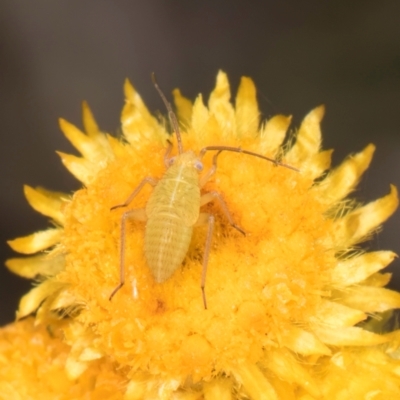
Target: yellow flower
[{"x": 285, "y": 302}]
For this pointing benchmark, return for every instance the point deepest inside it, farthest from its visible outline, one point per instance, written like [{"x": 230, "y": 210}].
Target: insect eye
[
  {"x": 198, "y": 165},
  {"x": 171, "y": 161}
]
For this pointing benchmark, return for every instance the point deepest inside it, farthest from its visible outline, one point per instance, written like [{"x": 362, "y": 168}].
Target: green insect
[{"x": 173, "y": 209}]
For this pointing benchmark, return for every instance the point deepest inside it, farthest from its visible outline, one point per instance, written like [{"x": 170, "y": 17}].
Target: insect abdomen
[{"x": 166, "y": 244}]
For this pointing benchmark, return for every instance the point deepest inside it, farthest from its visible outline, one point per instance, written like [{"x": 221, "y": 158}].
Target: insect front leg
[
  {"x": 139, "y": 215},
  {"x": 205, "y": 218},
  {"x": 149, "y": 180}
]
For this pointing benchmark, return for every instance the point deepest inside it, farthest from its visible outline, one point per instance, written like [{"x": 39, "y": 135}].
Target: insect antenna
[
  {"x": 171, "y": 114},
  {"x": 240, "y": 150}
]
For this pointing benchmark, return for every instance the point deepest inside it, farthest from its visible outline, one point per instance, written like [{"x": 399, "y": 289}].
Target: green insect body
[{"x": 172, "y": 211}]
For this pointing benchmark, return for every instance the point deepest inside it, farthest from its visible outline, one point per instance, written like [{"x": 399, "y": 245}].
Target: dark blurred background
[{"x": 54, "y": 54}]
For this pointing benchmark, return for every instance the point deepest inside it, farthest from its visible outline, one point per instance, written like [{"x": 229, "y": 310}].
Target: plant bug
[{"x": 173, "y": 209}]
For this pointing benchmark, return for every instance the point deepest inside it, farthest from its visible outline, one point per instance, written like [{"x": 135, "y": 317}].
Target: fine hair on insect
[{"x": 173, "y": 209}]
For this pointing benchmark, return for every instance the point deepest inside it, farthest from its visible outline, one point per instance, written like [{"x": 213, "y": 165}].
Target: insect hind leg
[
  {"x": 214, "y": 195},
  {"x": 205, "y": 218},
  {"x": 138, "y": 214}
]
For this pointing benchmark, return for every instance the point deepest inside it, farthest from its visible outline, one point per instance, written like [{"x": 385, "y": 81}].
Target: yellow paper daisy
[{"x": 285, "y": 302}]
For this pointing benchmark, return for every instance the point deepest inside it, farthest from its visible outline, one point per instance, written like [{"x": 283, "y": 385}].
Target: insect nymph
[{"x": 173, "y": 209}]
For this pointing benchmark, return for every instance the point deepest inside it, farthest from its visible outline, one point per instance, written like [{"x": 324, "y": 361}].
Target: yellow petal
[
  {"x": 184, "y": 108},
  {"x": 80, "y": 168},
  {"x": 220, "y": 106},
  {"x": 31, "y": 267},
  {"x": 371, "y": 299},
  {"x": 343, "y": 179},
  {"x": 218, "y": 389},
  {"x": 347, "y": 336},
  {"x": 337, "y": 315},
  {"x": 303, "y": 342},
  {"x": 88, "y": 146},
  {"x": 137, "y": 122},
  {"x": 318, "y": 164},
  {"x": 273, "y": 134},
  {"x": 308, "y": 139},
  {"x": 46, "y": 202},
  {"x": 89, "y": 122},
  {"x": 32, "y": 300},
  {"x": 357, "y": 269},
  {"x": 287, "y": 368},
  {"x": 254, "y": 382},
  {"x": 363, "y": 374},
  {"x": 247, "y": 113},
  {"x": 36, "y": 242},
  {"x": 61, "y": 304},
  {"x": 136, "y": 389},
  {"x": 93, "y": 131},
  {"x": 75, "y": 368},
  {"x": 200, "y": 116},
  {"x": 378, "y": 279},
  {"x": 117, "y": 147},
  {"x": 356, "y": 225}
]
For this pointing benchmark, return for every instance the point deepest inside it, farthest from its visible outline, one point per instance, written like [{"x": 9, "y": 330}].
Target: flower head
[{"x": 285, "y": 301}]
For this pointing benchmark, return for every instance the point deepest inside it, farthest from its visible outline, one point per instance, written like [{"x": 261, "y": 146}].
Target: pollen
[{"x": 290, "y": 304}]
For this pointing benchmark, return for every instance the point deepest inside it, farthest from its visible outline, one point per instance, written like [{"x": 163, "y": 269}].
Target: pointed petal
[
  {"x": 36, "y": 242},
  {"x": 343, "y": 179},
  {"x": 287, "y": 368},
  {"x": 347, "y": 336},
  {"x": 337, "y": 315},
  {"x": 117, "y": 147},
  {"x": 247, "y": 113},
  {"x": 64, "y": 299},
  {"x": 89, "y": 122},
  {"x": 32, "y": 300},
  {"x": 220, "y": 106},
  {"x": 46, "y": 202},
  {"x": 378, "y": 280},
  {"x": 74, "y": 367},
  {"x": 184, "y": 108},
  {"x": 138, "y": 125},
  {"x": 308, "y": 139},
  {"x": 93, "y": 131},
  {"x": 90, "y": 148},
  {"x": 137, "y": 389},
  {"x": 79, "y": 167},
  {"x": 200, "y": 115},
  {"x": 371, "y": 299},
  {"x": 254, "y": 382},
  {"x": 273, "y": 134},
  {"x": 357, "y": 269},
  {"x": 318, "y": 164},
  {"x": 31, "y": 267},
  {"x": 356, "y": 225},
  {"x": 303, "y": 342},
  {"x": 218, "y": 389},
  {"x": 205, "y": 126},
  {"x": 61, "y": 304}
]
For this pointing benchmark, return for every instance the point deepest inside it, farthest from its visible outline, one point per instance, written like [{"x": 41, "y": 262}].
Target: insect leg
[
  {"x": 204, "y": 179},
  {"x": 139, "y": 215},
  {"x": 211, "y": 196},
  {"x": 149, "y": 180},
  {"x": 208, "y": 219}
]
